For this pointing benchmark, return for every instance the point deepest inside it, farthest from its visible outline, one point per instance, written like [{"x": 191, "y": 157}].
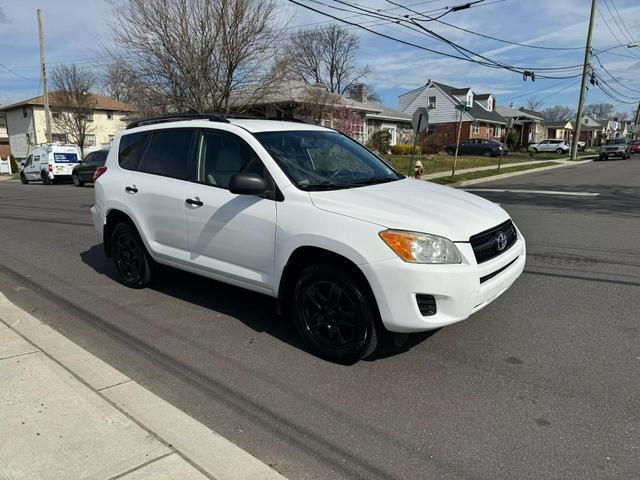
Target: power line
[
  {"x": 17, "y": 74},
  {"x": 624, "y": 34},
  {"x": 610, "y": 29},
  {"x": 532, "y": 92},
  {"x": 622, "y": 21},
  {"x": 613, "y": 77},
  {"x": 502, "y": 40},
  {"x": 525, "y": 71}
]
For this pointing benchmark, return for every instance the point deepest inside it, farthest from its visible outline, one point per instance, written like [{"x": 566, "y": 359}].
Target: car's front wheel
[
  {"x": 450, "y": 151},
  {"x": 487, "y": 153},
  {"x": 132, "y": 262},
  {"x": 76, "y": 180},
  {"x": 559, "y": 150},
  {"x": 334, "y": 314},
  {"x": 23, "y": 178}
]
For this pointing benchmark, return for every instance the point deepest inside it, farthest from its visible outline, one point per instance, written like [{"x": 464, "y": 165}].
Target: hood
[{"x": 415, "y": 205}]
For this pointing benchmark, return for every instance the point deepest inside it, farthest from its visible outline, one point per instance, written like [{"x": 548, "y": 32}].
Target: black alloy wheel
[
  {"x": 334, "y": 314},
  {"x": 132, "y": 262}
]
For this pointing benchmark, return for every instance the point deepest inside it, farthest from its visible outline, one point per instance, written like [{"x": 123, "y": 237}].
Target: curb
[
  {"x": 202, "y": 447},
  {"x": 514, "y": 174}
]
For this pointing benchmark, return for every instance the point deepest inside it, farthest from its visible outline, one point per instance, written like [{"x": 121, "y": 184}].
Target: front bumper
[
  {"x": 456, "y": 288},
  {"x": 97, "y": 219}
]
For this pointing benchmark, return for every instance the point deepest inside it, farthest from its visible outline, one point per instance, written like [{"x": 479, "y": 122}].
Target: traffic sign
[{"x": 420, "y": 124}]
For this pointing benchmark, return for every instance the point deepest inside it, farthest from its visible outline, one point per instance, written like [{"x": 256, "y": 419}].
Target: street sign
[
  {"x": 420, "y": 124},
  {"x": 463, "y": 106}
]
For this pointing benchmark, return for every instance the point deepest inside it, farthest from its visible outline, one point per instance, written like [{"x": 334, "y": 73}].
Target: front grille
[
  {"x": 500, "y": 270},
  {"x": 486, "y": 244}
]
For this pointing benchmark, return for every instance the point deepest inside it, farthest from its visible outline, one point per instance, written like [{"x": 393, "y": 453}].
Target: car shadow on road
[{"x": 255, "y": 310}]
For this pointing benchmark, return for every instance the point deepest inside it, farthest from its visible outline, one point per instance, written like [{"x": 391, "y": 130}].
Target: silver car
[{"x": 614, "y": 147}]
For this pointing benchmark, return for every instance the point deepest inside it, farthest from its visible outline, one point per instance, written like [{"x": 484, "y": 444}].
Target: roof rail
[{"x": 175, "y": 117}]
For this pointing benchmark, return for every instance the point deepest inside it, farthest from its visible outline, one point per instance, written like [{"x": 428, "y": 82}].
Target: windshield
[
  {"x": 615, "y": 141},
  {"x": 321, "y": 160}
]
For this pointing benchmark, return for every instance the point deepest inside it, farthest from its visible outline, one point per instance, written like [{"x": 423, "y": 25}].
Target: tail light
[
  {"x": 50, "y": 168},
  {"x": 99, "y": 172}
]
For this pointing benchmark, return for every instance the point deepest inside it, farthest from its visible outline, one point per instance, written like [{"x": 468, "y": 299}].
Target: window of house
[
  {"x": 90, "y": 140},
  {"x": 28, "y": 138},
  {"x": 109, "y": 115},
  {"x": 476, "y": 127},
  {"x": 59, "y": 137},
  {"x": 498, "y": 131},
  {"x": 432, "y": 102},
  {"x": 487, "y": 132},
  {"x": 55, "y": 115},
  {"x": 431, "y": 129},
  {"x": 25, "y": 112},
  {"x": 221, "y": 155}
]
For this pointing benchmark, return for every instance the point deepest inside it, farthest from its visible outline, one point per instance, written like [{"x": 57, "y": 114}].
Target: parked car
[
  {"x": 477, "y": 146},
  {"x": 634, "y": 147},
  {"x": 614, "y": 148},
  {"x": 83, "y": 172},
  {"x": 347, "y": 245},
  {"x": 550, "y": 145},
  {"x": 50, "y": 163}
]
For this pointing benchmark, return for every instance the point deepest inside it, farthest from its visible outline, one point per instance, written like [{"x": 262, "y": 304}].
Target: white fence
[{"x": 5, "y": 167}]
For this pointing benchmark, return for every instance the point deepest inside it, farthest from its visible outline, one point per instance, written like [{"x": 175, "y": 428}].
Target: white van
[{"x": 49, "y": 163}]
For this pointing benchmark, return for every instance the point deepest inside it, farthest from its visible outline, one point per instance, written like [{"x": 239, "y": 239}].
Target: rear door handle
[
  {"x": 194, "y": 202},
  {"x": 131, "y": 189}
]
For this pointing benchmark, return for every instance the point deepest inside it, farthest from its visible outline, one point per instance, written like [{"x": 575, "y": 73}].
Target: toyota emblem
[{"x": 501, "y": 241}]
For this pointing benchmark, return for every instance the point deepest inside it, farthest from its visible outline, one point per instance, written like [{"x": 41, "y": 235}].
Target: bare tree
[
  {"x": 326, "y": 55},
  {"x": 558, "y": 112},
  {"x": 599, "y": 111},
  {"x": 533, "y": 103},
  {"x": 196, "y": 55},
  {"x": 317, "y": 104},
  {"x": 72, "y": 102},
  {"x": 622, "y": 116}
]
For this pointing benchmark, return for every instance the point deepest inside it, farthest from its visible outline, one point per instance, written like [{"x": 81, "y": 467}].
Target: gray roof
[
  {"x": 532, "y": 112},
  {"x": 509, "y": 112},
  {"x": 557, "y": 123},
  {"x": 477, "y": 112},
  {"x": 482, "y": 96}
]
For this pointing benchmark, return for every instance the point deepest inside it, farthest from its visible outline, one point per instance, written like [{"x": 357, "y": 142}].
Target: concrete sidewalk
[{"x": 65, "y": 414}]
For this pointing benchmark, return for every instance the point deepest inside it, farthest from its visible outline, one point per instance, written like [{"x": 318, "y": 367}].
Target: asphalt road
[{"x": 543, "y": 383}]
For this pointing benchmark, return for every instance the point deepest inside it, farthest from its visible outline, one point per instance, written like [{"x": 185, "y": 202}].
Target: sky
[{"x": 76, "y": 31}]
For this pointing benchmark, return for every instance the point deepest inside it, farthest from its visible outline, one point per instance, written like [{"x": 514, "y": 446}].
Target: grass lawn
[
  {"x": 442, "y": 163},
  {"x": 488, "y": 173}
]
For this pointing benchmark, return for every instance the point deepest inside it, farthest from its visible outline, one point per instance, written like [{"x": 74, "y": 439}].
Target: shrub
[
  {"x": 404, "y": 149},
  {"x": 434, "y": 143},
  {"x": 14, "y": 164},
  {"x": 512, "y": 139},
  {"x": 380, "y": 141}
]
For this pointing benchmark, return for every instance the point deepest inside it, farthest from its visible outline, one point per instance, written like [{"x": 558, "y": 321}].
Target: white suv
[
  {"x": 303, "y": 213},
  {"x": 558, "y": 146},
  {"x": 50, "y": 162}
]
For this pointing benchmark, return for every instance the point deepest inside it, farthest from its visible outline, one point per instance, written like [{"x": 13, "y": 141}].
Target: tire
[
  {"x": 487, "y": 153},
  {"x": 334, "y": 314},
  {"x": 130, "y": 257},
  {"x": 45, "y": 178},
  {"x": 76, "y": 180},
  {"x": 450, "y": 152},
  {"x": 559, "y": 150},
  {"x": 23, "y": 179}
]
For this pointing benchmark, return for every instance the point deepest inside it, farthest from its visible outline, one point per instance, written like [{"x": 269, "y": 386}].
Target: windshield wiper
[{"x": 369, "y": 181}]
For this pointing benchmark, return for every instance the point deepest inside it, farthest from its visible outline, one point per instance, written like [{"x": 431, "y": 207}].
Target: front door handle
[
  {"x": 195, "y": 202},
  {"x": 131, "y": 189}
]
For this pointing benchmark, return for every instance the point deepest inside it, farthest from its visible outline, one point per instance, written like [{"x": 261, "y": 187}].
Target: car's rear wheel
[
  {"x": 334, "y": 314},
  {"x": 23, "y": 178},
  {"x": 76, "y": 180},
  {"x": 45, "y": 178},
  {"x": 487, "y": 153},
  {"x": 130, "y": 257}
]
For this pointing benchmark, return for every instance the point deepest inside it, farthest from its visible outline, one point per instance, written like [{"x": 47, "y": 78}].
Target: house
[
  {"x": 289, "y": 99},
  {"x": 4, "y": 138},
  {"x": 615, "y": 129},
  {"x": 559, "y": 129},
  {"x": 480, "y": 121},
  {"x": 528, "y": 123},
  {"x": 591, "y": 131},
  {"x": 26, "y": 128}
]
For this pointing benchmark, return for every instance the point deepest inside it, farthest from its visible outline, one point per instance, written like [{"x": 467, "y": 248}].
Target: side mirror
[{"x": 247, "y": 184}]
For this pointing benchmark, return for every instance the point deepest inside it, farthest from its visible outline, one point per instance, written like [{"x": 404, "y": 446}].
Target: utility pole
[
  {"x": 636, "y": 125},
  {"x": 462, "y": 107},
  {"x": 45, "y": 94},
  {"x": 583, "y": 84}
]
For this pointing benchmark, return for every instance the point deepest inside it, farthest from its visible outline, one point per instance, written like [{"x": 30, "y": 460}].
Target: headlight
[{"x": 417, "y": 247}]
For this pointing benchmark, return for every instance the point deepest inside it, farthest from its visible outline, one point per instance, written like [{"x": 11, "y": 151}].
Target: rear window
[
  {"x": 65, "y": 157},
  {"x": 168, "y": 154},
  {"x": 615, "y": 141},
  {"x": 131, "y": 149}
]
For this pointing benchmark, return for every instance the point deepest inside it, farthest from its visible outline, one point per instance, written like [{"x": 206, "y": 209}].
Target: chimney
[{"x": 358, "y": 92}]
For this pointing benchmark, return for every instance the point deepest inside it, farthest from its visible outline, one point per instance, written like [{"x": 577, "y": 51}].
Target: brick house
[
  {"x": 481, "y": 121},
  {"x": 528, "y": 123}
]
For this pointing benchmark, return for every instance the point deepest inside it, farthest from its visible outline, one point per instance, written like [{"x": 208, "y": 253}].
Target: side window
[
  {"x": 101, "y": 158},
  {"x": 131, "y": 148},
  {"x": 36, "y": 159},
  {"x": 89, "y": 159},
  {"x": 29, "y": 160},
  {"x": 221, "y": 155},
  {"x": 169, "y": 153}
]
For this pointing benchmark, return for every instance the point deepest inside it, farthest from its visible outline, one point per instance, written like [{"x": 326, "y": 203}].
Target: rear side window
[
  {"x": 131, "y": 149},
  {"x": 169, "y": 153}
]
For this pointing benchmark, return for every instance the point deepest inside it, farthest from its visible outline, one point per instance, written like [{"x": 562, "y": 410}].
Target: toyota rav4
[{"x": 347, "y": 245}]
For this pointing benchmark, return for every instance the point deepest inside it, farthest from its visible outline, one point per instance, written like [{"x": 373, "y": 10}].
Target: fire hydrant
[{"x": 418, "y": 170}]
